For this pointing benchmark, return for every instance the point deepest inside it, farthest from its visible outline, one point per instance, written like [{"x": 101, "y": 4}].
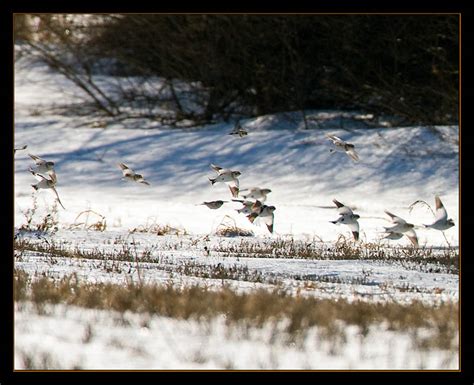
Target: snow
[
  {"x": 398, "y": 166},
  {"x": 111, "y": 340}
]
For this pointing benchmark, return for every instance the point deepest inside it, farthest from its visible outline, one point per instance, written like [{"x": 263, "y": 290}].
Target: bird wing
[
  {"x": 123, "y": 166},
  {"x": 352, "y": 154},
  {"x": 252, "y": 216},
  {"x": 37, "y": 159},
  {"x": 268, "y": 220},
  {"x": 334, "y": 138},
  {"x": 411, "y": 235},
  {"x": 234, "y": 191},
  {"x": 215, "y": 168},
  {"x": 353, "y": 226},
  {"x": 395, "y": 218},
  {"x": 127, "y": 171},
  {"x": 234, "y": 182},
  {"x": 270, "y": 226},
  {"x": 39, "y": 177},
  {"x": 441, "y": 213},
  {"x": 341, "y": 208},
  {"x": 393, "y": 235}
]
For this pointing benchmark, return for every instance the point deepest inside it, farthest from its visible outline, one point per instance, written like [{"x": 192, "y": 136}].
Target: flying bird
[
  {"x": 256, "y": 193},
  {"x": 348, "y": 218},
  {"x": 42, "y": 166},
  {"x": 238, "y": 130},
  {"x": 400, "y": 227},
  {"x": 441, "y": 219},
  {"x": 45, "y": 183},
  {"x": 131, "y": 175},
  {"x": 265, "y": 213},
  {"x": 342, "y": 146},
  {"x": 228, "y": 177},
  {"x": 248, "y": 207},
  {"x": 213, "y": 204}
]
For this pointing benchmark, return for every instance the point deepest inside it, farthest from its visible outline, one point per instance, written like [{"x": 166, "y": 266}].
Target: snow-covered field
[{"x": 398, "y": 166}]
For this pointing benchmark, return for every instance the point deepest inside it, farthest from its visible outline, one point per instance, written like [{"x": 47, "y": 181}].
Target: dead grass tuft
[
  {"x": 228, "y": 228},
  {"x": 252, "y": 309},
  {"x": 158, "y": 230},
  {"x": 97, "y": 223}
]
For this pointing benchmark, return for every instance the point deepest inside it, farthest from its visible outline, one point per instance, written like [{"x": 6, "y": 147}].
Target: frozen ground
[
  {"x": 398, "y": 166},
  {"x": 110, "y": 340}
]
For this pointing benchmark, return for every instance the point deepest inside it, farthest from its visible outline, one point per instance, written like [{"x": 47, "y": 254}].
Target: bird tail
[
  {"x": 34, "y": 186},
  {"x": 213, "y": 181}
]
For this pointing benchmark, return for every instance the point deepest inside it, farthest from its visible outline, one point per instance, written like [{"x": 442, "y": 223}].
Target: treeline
[{"x": 219, "y": 66}]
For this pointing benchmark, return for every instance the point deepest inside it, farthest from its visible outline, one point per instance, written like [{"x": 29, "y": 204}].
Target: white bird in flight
[
  {"x": 400, "y": 227},
  {"x": 256, "y": 193},
  {"x": 441, "y": 219},
  {"x": 348, "y": 218},
  {"x": 45, "y": 183},
  {"x": 131, "y": 175},
  {"x": 343, "y": 146},
  {"x": 228, "y": 177},
  {"x": 265, "y": 213},
  {"x": 42, "y": 166}
]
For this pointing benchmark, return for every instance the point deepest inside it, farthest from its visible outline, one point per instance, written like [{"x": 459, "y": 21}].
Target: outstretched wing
[
  {"x": 341, "y": 208},
  {"x": 37, "y": 159},
  {"x": 395, "y": 218},
  {"x": 123, "y": 166},
  {"x": 215, "y": 168},
  {"x": 234, "y": 190},
  {"x": 411, "y": 235},
  {"x": 354, "y": 227},
  {"x": 441, "y": 213},
  {"x": 334, "y": 138},
  {"x": 269, "y": 222},
  {"x": 351, "y": 152}
]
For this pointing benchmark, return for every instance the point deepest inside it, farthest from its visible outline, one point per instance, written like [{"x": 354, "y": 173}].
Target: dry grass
[
  {"x": 345, "y": 249},
  {"x": 90, "y": 220},
  {"x": 233, "y": 231},
  {"x": 153, "y": 227},
  {"x": 125, "y": 254},
  {"x": 252, "y": 309},
  {"x": 48, "y": 223},
  {"x": 158, "y": 230},
  {"x": 228, "y": 228}
]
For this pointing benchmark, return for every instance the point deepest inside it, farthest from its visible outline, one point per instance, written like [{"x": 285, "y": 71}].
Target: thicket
[{"x": 215, "y": 67}]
